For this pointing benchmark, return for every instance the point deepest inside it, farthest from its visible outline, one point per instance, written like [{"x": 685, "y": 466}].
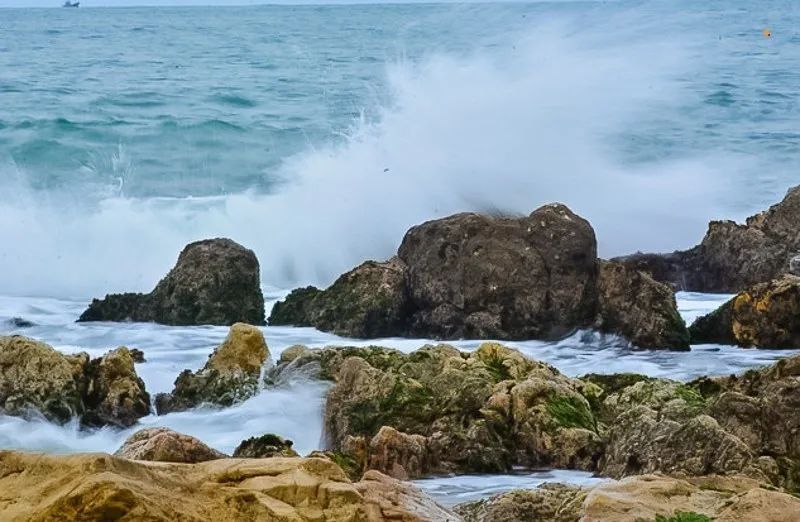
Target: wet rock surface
[
  {"x": 265, "y": 446},
  {"x": 489, "y": 277},
  {"x": 766, "y": 315},
  {"x": 438, "y": 410},
  {"x": 231, "y": 374},
  {"x": 640, "y": 309},
  {"x": 166, "y": 445},
  {"x": 369, "y": 301},
  {"x": 215, "y": 281},
  {"x": 36, "y": 379},
  {"x": 732, "y": 256}
]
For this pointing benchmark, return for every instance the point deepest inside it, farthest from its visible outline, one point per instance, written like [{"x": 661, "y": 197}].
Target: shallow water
[
  {"x": 295, "y": 409},
  {"x": 450, "y": 491}
]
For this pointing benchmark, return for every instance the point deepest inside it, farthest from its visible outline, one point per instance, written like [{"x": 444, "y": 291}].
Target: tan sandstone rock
[{"x": 166, "y": 445}]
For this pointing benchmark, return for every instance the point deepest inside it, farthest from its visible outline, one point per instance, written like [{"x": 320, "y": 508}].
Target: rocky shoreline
[{"x": 714, "y": 448}]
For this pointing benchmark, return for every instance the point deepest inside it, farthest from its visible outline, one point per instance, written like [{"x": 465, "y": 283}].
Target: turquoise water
[{"x": 317, "y": 135}]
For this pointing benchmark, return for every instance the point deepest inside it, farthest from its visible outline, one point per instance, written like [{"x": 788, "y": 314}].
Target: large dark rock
[
  {"x": 764, "y": 316},
  {"x": 230, "y": 375},
  {"x": 36, "y": 379},
  {"x": 640, "y": 309},
  {"x": 731, "y": 256},
  {"x": 479, "y": 276},
  {"x": 488, "y": 277},
  {"x": 369, "y": 301},
  {"x": 215, "y": 281}
]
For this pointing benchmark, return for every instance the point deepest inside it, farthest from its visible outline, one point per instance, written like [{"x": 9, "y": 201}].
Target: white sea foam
[{"x": 507, "y": 128}]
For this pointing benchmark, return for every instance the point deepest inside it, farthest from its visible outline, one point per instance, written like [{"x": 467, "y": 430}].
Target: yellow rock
[{"x": 100, "y": 487}]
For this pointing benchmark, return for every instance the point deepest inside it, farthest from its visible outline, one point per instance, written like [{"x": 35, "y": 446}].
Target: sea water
[{"x": 316, "y": 135}]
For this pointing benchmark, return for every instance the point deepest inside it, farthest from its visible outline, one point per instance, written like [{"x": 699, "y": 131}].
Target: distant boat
[{"x": 71, "y": 4}]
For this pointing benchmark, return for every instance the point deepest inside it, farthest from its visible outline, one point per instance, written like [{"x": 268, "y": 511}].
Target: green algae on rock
[
  {"x": 36, "y": 378},
  {"x": 230, "y": 375}
]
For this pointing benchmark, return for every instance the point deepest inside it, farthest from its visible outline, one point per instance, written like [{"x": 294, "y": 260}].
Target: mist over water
[{"x": 319, "y": 153}]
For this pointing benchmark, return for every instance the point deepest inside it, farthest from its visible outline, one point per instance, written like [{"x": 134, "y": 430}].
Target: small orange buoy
[{"x": 767, "y": 33}]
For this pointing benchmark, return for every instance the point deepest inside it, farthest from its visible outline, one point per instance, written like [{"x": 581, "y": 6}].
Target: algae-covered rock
[
  {"x": 265, "y": 446},
  {"x": 441, "y": 410},
  {"x": 116, "y": 395},
  {"x": 215, "y": 281},
  {"x": 166, "y": 445},
  {"x": 230, "y": 375},
  {"x": 549, "y": 502},
  {"x": 36, "y": 379},
  {"x": 638, "y": 308},
  {"x": 369, "y": 301},
  {"x": 764, "y": 316},
  {"x": 101, "y": 487}
]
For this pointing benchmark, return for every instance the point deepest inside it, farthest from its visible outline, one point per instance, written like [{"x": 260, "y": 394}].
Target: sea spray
[{"x": 503, "y": 129}]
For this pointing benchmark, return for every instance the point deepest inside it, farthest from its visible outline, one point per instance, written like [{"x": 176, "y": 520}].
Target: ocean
[{"x": 317, "y": 135}]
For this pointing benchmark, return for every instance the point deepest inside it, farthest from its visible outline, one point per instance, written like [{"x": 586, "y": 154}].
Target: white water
[
  {"x": 450, "y": 491},
  {"x": 295, "y": 410},
  {"x": 536, "y": 120}
]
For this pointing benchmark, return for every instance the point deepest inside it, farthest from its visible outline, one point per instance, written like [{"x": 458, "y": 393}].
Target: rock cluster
[
  {"x": 488, "y": 277},
  {"x": 438, "y": 410},
  {"x": 647, "y": 497},
  {"x": 230, "y": 375},
  {"x": 35, "y": 379},
  {"x": 731, "y": 256},
  {"x": 215, "y": 281},
  {"x": 102, "y": 487}
]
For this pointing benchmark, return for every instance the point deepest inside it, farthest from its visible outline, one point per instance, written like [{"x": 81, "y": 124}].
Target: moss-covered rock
[
  {"x": 230, "y": 375},
  {"x": 215, "y": 281},
  {"x": 36, "y": 379},
  {"x": 766, "y": 315},
  {"x": 265, "y": 446},
  {"x": 369, "y": 301},
  {"x": 116, "y": 395},
  {"x": 440, "y": 410}
]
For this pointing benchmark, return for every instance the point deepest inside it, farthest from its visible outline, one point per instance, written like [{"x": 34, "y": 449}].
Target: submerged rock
[
  {"x": 102, "y": 487},
  {"x": 764, "y": 316},
  {"x": 265, "y": 446},
  {"x": 215, "y": 281},
  {"x": 166, "y": 445},
  {"x": 20, "y": 322},
  {"x": 37, "y": 379},
  {"x": 640, "y": 309},
  {"x": 369, "y": 301},
  {"x": 731, "y": 256},
  {"x": 230, "y": 375},
  {"x": 643, "y": 498}
]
